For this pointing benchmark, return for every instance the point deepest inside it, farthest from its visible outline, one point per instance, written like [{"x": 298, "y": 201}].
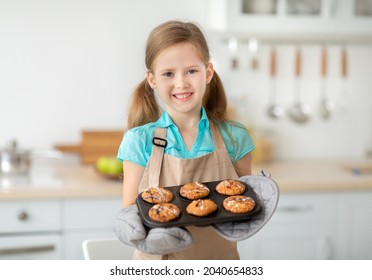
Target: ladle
[
  {"x": 326, "y": 105},
  {"x": 299, "y": 112},
  {"x": 274, "y": 111}
]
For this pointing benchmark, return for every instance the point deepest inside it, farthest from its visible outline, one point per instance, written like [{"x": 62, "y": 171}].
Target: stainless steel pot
[{"x": 14, "y": 161}]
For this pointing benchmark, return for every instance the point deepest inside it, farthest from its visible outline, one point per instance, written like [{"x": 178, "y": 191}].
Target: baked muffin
[
  {"x": 157, "y": 195},
  {"x": 201, "y": 207},
  {"x": 164, "y": 212},
  {"x": 239, "y": 204},
  {"x": 230, "y": 187},
  {"x": 194, "y": 190}
]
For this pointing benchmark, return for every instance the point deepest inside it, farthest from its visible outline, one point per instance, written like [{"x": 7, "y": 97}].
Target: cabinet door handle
[
  {"x": 295, "y": 209},
  {"x": 27, "y": 250},
  {"x": 23, "y": 216}
]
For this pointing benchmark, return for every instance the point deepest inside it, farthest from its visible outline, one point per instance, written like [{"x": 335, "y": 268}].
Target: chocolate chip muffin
[
  {"x": 164, "y": 212},
  {"x": 201, "y": 207},
  {"x": 157, "y": 195},
  {"x": 194, "y": 190},
  {"x": 230, "y": 187},
  {"x": 239, "y": 204}
]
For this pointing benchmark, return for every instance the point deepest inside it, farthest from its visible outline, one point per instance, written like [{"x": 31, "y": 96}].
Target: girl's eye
[
  {"x": 168, "y": 74},
  {"x": 192, "y": 71}
]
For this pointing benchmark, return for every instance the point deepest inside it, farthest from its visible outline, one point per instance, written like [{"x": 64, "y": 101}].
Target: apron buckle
[{"x": 160, "y": 142}]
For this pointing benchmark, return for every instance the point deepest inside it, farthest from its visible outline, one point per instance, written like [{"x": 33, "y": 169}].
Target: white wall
[{"x": 70, "y": 65}]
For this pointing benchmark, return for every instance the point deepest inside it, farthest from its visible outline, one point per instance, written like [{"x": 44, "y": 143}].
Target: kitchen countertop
[
  {"x": 71, "y": 181},
  {"x": 320, "y": 175}
]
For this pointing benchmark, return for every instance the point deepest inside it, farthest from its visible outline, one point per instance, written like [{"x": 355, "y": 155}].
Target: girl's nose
[{"x": 181, "y": 82}]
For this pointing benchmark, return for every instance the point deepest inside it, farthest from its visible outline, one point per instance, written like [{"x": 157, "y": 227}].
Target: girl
[{"x": 201, "y": 144}]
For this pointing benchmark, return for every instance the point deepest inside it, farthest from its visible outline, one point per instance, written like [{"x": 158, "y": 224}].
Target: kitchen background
[{"x": 70, "y": 66}]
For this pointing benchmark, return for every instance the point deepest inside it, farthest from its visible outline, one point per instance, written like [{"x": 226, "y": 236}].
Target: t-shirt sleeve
[
  {"x": 238, "y": 141},
  {"x": 133, "y": 147}
]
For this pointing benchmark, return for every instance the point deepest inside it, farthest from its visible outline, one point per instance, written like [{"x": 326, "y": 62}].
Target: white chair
[{"x": 106, "y": 249}]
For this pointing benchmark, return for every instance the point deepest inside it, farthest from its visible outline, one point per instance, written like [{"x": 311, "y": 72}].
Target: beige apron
[{"x": 167, "y": 170}]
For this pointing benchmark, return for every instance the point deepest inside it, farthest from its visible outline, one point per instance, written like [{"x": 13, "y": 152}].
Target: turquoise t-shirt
[{"x": 136, "y": 145}]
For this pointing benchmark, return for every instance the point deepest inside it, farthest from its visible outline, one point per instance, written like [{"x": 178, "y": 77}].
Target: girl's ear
[
  {"x": 209, "y": 72},
  {"x": 150, "y": 79}
]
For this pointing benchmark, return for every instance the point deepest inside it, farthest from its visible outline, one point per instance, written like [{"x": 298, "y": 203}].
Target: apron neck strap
[{"x": 159, "y": 142}]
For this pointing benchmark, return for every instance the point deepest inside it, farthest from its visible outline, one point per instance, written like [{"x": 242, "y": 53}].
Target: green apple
[
  {"x": 102, "y": 164},
  {"x": 115, "y": 167},
  {"x": 109, "y": 165}
]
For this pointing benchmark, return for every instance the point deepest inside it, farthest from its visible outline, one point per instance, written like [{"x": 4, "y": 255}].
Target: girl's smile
[{"x": 183, "y": 97}]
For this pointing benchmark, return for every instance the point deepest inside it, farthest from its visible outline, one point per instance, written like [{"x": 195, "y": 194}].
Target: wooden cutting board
[{"x": 95, "y": 144}]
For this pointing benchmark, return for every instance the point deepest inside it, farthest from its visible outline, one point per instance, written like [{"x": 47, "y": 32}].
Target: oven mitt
[
  {"x": 267, "y": 192},
  {"x": 160, "y": 241}
]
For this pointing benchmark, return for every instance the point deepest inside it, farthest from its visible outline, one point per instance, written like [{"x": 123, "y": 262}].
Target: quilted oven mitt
[
  {"x": 267, "y": 192},
  {"x": 160, "y": 241}
]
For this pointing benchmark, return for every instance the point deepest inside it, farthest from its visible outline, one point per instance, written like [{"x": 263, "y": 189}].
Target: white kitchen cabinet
[
  {"x": 289, "y": 19},
  {"x": 87, "y": 219},
  {"x": 354, "y": 225},
  {"x": 30, "y": 229},
  {"x": 32, "y": 246},
  {"x": 335, "y": 225},
  {"x": 54, "y": 229},
  {"x": 301, "y": 228},
  {"x": 30, "y": 216}
]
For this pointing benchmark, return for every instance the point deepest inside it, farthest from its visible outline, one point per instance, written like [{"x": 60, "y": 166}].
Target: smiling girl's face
[{"x": 180, "y": 77}]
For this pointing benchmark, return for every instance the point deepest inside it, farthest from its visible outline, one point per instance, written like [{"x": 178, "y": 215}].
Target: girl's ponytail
[
  {"x": 215, "y": 101},
  {"x": 143, "y": 106}
]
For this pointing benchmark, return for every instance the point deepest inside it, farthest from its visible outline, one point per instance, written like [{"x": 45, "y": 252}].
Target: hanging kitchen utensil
[
  {"x": 344, "y": 74},
  {"x": 299, "y": 111},
  {"x": 326, "y": 105},
  {"x": 274, "y": 111},
  {"x": 233, "y": 45},
  {"x": 253, "y": 47}
]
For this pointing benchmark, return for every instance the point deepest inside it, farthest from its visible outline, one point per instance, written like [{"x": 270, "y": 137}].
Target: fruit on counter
[{"x": 109, "y": 166}]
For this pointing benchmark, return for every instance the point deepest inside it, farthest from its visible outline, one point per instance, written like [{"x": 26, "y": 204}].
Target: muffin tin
[{"x": 185, "y": 219}]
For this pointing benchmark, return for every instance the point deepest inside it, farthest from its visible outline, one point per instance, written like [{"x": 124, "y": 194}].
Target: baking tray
[{"x": 185, "y": 219}]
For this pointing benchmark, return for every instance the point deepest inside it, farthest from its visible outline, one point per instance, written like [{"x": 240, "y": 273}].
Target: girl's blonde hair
[{"x": 143, "y": 106}]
